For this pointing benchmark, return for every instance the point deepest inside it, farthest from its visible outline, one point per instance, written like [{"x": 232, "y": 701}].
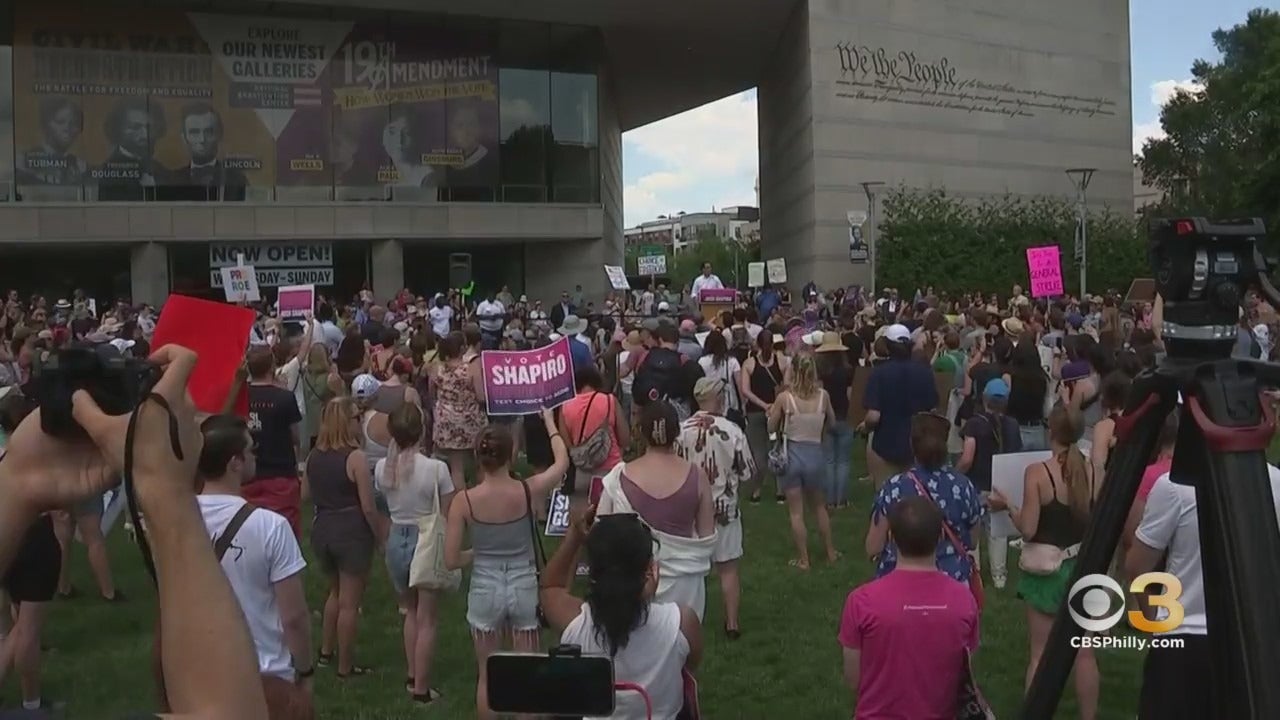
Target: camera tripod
[{"x": 1201, "y": 269}]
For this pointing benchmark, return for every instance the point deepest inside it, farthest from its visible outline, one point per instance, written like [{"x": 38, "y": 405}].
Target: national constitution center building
[{"x": 146, "y": 144}]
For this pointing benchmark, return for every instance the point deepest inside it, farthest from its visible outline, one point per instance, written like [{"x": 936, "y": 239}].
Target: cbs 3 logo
[{"x": 1093, "y": 597}]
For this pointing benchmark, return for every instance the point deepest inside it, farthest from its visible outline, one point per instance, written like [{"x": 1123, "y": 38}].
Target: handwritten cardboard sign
[
  {"x": 755, "y": 274},
  {"x": 617, "y": 277},
  {"x": 520, "y": 382},
  {"x": 1045, "y": 267},
  {"x": 777, "y": 270}
]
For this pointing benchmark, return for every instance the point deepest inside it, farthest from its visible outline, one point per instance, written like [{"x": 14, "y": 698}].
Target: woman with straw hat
[{"x": 836, "y": 375}]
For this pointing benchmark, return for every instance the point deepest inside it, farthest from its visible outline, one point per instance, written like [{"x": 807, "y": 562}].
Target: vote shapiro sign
[{"x": 519, "y": 382}]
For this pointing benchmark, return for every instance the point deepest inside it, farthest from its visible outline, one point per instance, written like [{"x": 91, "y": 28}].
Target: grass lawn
[{"x": 786, "y": 665}]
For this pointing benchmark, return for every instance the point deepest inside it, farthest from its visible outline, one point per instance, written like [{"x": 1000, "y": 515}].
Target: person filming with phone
[{"x": 652, "y": 644}]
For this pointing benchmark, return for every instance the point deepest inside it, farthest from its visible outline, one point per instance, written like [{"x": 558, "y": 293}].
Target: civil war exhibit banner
[{"x": 155, "y": 104}]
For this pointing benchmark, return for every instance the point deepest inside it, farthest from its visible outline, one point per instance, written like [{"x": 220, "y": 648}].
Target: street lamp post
[
  {"x": 873, "y": 237},
  {"x": 1080, "y": 177}
]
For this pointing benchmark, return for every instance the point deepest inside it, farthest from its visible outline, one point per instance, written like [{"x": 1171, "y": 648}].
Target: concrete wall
[
  {"x": 982, "y": 97},
  {"x": 786, "y": 151}
]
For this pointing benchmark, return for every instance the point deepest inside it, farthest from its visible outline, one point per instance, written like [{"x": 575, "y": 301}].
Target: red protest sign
[{"x": 219, "y": 334}]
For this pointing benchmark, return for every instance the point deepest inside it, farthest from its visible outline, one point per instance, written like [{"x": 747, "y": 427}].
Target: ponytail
[
  {"x": 398, "y": 470},
  {"x": 1075, "y": 473},
  {"x": 619, "y": 553}
]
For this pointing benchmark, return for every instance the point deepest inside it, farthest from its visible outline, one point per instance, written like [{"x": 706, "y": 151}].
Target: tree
[
  {"x": 929, "y": 238},
  {"x": 1221, "y": 152},
  {"x": 706, "y": 247}
]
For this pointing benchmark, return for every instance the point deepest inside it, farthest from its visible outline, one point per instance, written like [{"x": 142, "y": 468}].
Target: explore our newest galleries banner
[
  {"x": 519, "y": 382},
  {"x": 166, "y": 105}
]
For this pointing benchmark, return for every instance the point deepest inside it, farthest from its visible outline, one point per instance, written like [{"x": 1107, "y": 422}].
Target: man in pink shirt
[{"x": 906, "y": 635}]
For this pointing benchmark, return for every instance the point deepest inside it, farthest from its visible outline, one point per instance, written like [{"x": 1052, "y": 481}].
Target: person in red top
[
  {"x": 906, "y": 636},
  {"x": 581, "y": 418},
  {"x": 1163, "y": 464}
]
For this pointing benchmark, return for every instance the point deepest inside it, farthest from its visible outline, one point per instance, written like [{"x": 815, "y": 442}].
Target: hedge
[{"x": 929, "y": 238}]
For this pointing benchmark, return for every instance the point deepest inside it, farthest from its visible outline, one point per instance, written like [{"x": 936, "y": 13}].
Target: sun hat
[
  {"x": 572, "y": 325},
  {"x": 831, "y": 343},
  {"x": 1012, "y": 326}
]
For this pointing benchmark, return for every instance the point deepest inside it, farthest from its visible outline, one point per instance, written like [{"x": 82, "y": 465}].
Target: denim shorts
[
  {"x": 806, "y": 467},
  {"x": 503, "y": 595},
  {"x": 402, "y": 541}
]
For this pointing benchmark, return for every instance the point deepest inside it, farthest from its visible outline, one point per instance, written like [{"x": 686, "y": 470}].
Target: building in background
[
  {"x": 380, "y": 143},
  {"x": 682, "y": 230}
]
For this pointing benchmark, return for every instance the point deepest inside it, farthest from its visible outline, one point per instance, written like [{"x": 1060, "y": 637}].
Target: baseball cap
[
  {"x": 364, "y": 386},
  {"x": 663, "y": 306},
  {"x": 1075, "y": 320},
  {"x": 897, "y": 333},
  {"x": 708, "y": 387},
  {"x": 996, "y": 388}
]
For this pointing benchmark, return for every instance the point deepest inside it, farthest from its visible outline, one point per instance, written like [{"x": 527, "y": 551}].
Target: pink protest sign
[
  {"x": 1045, "y": 267},
  {"x": 295, "y": 301},
  {"x": 519, "y": 382}
]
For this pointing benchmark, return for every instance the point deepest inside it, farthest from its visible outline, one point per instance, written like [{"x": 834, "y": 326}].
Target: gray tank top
[{"x": 500, "y": 543}]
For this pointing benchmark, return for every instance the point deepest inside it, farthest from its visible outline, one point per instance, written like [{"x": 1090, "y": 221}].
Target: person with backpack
[
  {"x": 595, "y": 430},
  {"x": 741, "y": 335},
  {"x": 987, "y": 433},
  {"x": 665, "y": 374}
]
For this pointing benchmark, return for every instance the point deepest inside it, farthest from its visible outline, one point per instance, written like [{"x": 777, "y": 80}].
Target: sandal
[
  {"x": 797, "y": 564},
  {"x": 428, "y": 697},
  {"x": 323, "y": 659},
  {"x": 356, "y": 671}
]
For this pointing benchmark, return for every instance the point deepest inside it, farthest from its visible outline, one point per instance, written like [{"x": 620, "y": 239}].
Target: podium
[{"x": 715, "y": 301}]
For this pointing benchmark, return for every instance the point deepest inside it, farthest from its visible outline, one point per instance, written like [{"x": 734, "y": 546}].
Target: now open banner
[{"x": 520, "y": 382}]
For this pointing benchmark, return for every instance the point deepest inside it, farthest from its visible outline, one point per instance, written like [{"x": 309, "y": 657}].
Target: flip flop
[
  {"x": 356, "y": 671},
  {"x": 430, "y": 696},
  {"x": 798, "y": 565},
  {"x": 323, "y": 659}
]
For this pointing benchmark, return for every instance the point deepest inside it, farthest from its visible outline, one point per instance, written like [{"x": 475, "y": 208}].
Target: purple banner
[{"x": 520, "y": 382}]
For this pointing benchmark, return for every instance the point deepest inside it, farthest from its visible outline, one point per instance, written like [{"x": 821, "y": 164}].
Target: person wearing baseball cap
[
  {"x": 989, "y": 432},
  {"x": 896, "y": 390},
  {"x": 710, "y": 441}
]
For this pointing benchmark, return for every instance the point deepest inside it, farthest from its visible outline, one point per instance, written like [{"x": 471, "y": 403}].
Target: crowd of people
[{"x": 374, "y": 415}]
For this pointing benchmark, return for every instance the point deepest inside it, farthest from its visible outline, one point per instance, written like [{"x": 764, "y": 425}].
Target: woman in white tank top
[{"x": 652, "y": 644}]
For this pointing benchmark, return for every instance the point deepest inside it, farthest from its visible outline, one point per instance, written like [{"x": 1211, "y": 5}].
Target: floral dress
[
  {"x": 961, "y": 507},
  {"x": 458, "y": 415}
]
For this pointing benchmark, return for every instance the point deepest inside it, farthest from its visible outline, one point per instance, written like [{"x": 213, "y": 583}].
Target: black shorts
[
  {"x": 33, "y": 576},
  {"x": 1174, "y": 681}
]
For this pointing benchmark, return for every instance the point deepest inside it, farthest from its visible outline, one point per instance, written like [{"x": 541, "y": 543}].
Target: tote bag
[{"x": 427, "y": 570}]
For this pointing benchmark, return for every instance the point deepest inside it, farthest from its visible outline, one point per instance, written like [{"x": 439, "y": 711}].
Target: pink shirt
[
  {"x": 1152, "y": 474},
  {"x": 914, "y": 629},
  {"x": 603, "y": 409}
]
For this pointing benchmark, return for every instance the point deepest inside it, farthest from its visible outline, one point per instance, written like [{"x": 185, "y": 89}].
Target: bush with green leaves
[{"x": 928, "y": 238}]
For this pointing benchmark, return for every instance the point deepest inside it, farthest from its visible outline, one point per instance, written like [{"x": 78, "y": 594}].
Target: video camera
[
  {"x": 561, "y": 683},
  {"x": 1203, "y": 271},
  {"x": 115, "y": 382}
]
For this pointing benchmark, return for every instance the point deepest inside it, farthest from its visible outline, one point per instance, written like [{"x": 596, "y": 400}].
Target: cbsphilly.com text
[{"x": 1124, "y": 642}]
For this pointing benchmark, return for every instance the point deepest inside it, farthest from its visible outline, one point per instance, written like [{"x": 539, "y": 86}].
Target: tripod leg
[
  {"x": 1239, "y": 542},
  {"x": 1151, "y": 399}
]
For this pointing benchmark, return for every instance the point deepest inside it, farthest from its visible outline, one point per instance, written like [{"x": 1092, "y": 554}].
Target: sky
[{"x": 707, "y": 157}]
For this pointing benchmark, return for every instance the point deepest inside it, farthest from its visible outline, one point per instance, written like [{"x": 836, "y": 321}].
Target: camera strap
[{"x": 135, "y": 516}]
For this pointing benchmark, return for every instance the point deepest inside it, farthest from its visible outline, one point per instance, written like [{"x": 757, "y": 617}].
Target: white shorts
[{"x": 728, "y": 542}]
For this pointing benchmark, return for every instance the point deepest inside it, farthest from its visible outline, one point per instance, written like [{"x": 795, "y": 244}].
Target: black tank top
[
  {"x": 765, "y": 380},
  {"x": 331, "y": 489},
  {"x": 1058, "y": 526}
]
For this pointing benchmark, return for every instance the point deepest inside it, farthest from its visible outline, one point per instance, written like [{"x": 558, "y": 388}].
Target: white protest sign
[
  {"x": 558, "y": 515},
  {"x": 240, "y": 284},
  {"x": 755, "y": 274},
  {"x": 777, "y": 269},
  {"x": 652, "y": 264},
  {"x": 1008, "y": 472},
  {"x": 617, "y": 277}
]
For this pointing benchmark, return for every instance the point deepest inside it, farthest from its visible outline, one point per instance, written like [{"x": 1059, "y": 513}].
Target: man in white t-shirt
[
  {"x": 261, "y": 559},
  {"x": 490, "y": 312},
  {"x": 705, "y": 281},
  {"x": 441, "y": 316},
  {"x": 1173, "y": 678}
]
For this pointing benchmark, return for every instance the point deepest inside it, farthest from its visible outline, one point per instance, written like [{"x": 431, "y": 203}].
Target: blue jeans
[{"x": 837, "y": 450}]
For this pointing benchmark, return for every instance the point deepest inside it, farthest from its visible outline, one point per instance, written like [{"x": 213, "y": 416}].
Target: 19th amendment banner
[{"x": 164, "y": 105}]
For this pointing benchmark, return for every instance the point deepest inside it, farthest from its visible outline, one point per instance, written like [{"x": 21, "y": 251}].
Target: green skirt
[{"x": 1046, "y": 593}]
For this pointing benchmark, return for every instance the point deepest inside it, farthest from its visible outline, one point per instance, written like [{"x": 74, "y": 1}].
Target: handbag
[
  {"x": 591, "y": 452},
  {"x": 427, "y": 569},
  {"x": 539, "y": 554},
  {"x": 971, "y": 705},
  {"x": 1043, "y": 558},
  {"x": 975, "y": 575}
]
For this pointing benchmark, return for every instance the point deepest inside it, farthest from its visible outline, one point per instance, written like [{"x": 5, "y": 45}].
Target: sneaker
[
  {"x": 999, "y": 581},
  {"x": 780, "y": 499}
]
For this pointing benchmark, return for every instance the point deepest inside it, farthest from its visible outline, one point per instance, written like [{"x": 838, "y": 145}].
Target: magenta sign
[{"x": 520, "y": 382}]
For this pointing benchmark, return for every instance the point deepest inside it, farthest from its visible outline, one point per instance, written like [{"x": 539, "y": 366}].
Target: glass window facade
[{"x": 202, "y": 107}]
